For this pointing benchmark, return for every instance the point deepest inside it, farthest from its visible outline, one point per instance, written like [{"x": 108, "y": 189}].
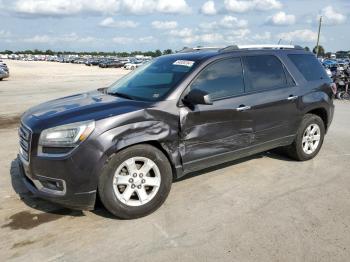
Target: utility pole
[{"x": 318, "y": 37}]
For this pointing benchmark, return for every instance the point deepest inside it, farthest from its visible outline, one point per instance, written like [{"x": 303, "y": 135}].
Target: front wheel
[
  {"x": 309, "y": 138},
  {"x": 343, "y": 95},
  {"x": 135, "y": 181}
]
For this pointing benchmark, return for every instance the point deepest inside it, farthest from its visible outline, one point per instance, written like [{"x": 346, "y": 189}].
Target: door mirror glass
[{"x": 197, "y": 97}]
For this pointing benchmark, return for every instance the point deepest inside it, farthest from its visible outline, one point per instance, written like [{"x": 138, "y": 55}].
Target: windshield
[{"x": 154, "y": 80}]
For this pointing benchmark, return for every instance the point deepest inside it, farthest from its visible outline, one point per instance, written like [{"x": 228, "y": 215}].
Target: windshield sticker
[{"x": 184, "y": 63}]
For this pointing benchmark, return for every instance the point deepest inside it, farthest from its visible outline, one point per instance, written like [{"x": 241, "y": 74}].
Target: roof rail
[
  {"x": 240, "y": 47},
  {"x": 193, "y": 49}
]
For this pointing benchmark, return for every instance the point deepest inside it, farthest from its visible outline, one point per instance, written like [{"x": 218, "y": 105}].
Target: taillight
[{"x": 334, "y": 88}]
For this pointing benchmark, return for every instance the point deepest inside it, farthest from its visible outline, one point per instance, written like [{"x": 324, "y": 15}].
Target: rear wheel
[
  {"x": 309, "y": 139},
  {"x": 135, "y": 181}
]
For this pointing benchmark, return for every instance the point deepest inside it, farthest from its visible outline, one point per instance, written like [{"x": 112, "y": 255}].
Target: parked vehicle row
[
  {"x": 130, "y": 63},
  {"x": 4, "y": 71},
  {"x": 339, "y": 71}
]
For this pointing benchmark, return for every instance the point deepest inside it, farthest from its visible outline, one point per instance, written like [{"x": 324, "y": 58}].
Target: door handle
[
  {"x": 243, "y": 108},
  {"x": 291, "y": 97}
]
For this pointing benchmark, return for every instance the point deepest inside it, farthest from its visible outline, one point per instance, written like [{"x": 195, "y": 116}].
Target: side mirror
[{"x": 197, "y": 97}]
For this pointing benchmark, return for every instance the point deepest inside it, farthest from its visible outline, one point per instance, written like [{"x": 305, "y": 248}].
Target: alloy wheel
[
  {"x": 311, "y": 139},
  {"x": 136, "y": 181}
]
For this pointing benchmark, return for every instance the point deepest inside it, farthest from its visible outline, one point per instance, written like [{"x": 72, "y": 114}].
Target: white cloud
[
  {"x": 262, "y": 37},
  {"x": 122, "y": 40},
  {"x": 227, "y": 22},
  {"x": 183, "y": 32},
  {"x": 171, "y": 6},
  {"x": 195, "y": 37},
  {"x": 303, "y": 35},
  {"x": 128, "y": 40},
  {"x": 281, "y": 18},
  {"x": 147, "y": 39},
  {"x": 232, "y": 22},
  {"x": 110, "y": 22},
  {"x": 65, "y": 7},
  {"x": 331, "y": 16},
  {"x": 74, "y": 7},
  {"x": 208, "y": 8},
  {"x": 4, "y": 34},
  {"x": 46, "y": 39},
  {"x": 242, "y": 6},
  {"x": 164, "y": 25}
]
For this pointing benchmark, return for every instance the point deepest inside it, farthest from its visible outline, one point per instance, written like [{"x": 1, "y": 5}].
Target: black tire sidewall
[
  {"x": 107, "y": 195},
  {"x": 307, "y": 121}
]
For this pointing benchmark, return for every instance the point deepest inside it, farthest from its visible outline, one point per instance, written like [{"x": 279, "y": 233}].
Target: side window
[
  {"x": 264, "y": 72},
  {"x": 221, "y": 79},
  {"x": 308, "y": 66}
]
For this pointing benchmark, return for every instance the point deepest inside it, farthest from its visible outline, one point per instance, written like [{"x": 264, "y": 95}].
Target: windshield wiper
[{"x": 121, "y": 95}]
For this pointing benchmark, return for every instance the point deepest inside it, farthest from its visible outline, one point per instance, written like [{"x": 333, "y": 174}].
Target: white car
[
  {"x": 3, "y": 74},
  {"x": 133, "y": 65}
]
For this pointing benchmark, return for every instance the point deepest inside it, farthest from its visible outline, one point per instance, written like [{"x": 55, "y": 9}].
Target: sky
[{"x": 129, "y": 25}]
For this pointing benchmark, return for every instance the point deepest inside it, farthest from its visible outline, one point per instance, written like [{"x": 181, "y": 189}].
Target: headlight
[{"x": 67, "y": 135}]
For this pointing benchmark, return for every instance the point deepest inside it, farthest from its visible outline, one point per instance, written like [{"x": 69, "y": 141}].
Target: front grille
[{"x": 25, "y": 136}]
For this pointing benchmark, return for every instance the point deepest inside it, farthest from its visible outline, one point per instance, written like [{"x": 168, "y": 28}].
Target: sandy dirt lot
[
  {"x": 32, "y": 82},
  {"x": 262, "y": 208}
]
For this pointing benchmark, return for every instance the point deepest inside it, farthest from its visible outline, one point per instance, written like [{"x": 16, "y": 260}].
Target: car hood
[{"x": 86, "y": 106}]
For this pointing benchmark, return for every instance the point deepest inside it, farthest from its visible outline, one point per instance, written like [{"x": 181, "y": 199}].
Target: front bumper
[
  {"x": 73, "y": 200},
  {"x": 3, "y": 76}
]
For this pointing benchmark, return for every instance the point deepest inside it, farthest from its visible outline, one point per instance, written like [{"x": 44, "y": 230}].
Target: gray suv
[{"x": 175, "y": 115}]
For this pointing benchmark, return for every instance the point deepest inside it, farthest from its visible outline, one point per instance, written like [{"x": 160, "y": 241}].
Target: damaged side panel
[
  {"x": 145, "y": 125},
  {"x": 211, "y": 130}
]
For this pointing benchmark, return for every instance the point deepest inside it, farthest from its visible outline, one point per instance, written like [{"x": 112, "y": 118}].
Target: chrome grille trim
[{"x": 25, "y": 137}]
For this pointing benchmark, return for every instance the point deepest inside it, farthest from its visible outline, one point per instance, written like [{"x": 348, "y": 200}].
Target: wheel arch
[
  {"x": 322, "y": 113},
  {"x": 171, "y": 154}
]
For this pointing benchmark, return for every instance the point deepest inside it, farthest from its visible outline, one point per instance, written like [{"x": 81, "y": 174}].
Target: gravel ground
[
  {"x": 261, "y": 208},
  {"x": 33, "y": 82}
]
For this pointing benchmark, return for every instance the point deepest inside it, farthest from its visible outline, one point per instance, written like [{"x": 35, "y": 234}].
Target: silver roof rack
[
  {"x": 240, "y": 47},
  {"x": 192, "y": 49},
  {"x": 269, "y": 47}
]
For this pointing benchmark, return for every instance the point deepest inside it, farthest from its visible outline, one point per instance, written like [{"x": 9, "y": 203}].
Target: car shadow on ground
[
  {"x": 32, "y": 201},
  {"x": 45, "y": 206}
]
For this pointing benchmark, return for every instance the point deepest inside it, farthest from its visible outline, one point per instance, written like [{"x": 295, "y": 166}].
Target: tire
[
  {"x": 340, "y": 95},
  {"x": 296, "y": 150},
  {"x": 111, "y": 193},
  {"x": 346, "y": 96}
]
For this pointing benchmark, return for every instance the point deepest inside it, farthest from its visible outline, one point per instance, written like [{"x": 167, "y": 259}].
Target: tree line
[{"x": 322, "y": 53}]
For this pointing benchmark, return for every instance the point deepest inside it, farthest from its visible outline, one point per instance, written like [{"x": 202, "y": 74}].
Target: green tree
[
  {"x": 328, "y": 55},
  {"x": 8, "y": 52},
  {"x": 307, "y": 48},
  {"x": 158, "y": 52},
  {"x": 167, "y": 52},
  {"x": 49, "y": 52},
  {"x": 321, "y": 51}
]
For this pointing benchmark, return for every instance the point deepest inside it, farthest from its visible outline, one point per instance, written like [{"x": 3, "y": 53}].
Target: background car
[
  {"x": 111, "y": 64},
  {"x": 133, "y": 65},
  {"x": 3, "y": 74}
]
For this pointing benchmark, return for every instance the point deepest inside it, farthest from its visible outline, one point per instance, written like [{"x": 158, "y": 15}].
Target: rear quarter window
[
  {"x": 308, "y": 66},
  {"x": 264, "y": 72}
]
